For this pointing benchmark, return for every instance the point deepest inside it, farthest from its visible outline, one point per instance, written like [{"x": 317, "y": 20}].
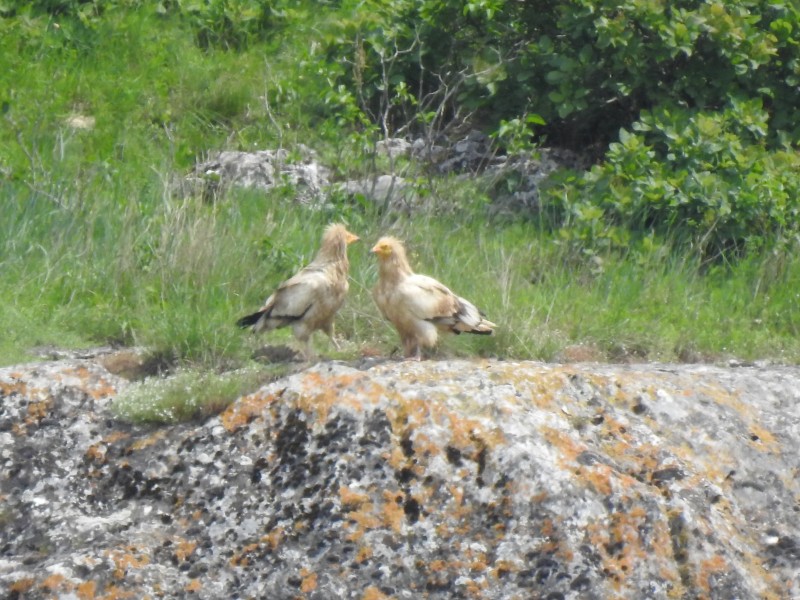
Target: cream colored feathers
[
  {"x": 308, "y": 301},
  {"x": 418, "y": 306}
]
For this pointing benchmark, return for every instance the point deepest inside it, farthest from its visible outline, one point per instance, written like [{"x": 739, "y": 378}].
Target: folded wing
[
  {"x": 291, "y": 302},
  {"x": 429, "y": 300},
  {"x": 308, "y": 301}
]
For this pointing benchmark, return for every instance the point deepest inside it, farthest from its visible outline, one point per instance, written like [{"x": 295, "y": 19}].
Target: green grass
[
  {"x": 174, "y": 274},
  {"x": 188, "y": 394},
  {"x": 96, "y": 246}
]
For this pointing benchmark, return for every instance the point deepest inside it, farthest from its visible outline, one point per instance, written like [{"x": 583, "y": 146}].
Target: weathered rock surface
[
  {"x": 513, "y": 182},
  {"x": 390, "y": 191},
  {"x": 263, "y": 170},
  {"x": 516, "y": 180},
  {"x": 458, "y": 479}
]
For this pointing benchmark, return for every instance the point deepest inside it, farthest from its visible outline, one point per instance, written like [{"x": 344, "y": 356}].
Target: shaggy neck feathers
[{"x": 334, "y": 247}]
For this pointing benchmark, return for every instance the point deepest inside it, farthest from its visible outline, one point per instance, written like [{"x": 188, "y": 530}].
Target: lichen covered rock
[{"x": 456, "y": 479}]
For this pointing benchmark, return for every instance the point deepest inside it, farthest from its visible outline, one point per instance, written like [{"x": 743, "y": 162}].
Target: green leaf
[{"x": 535, "y": 119}]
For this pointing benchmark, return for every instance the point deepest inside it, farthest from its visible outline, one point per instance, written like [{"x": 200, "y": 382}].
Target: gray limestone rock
[
  {"x": 435, "y": 479},
  {"x": 513, "y": 181},
  {"x": 390, "y": 191},
  {"x": 264, "y": 170}
]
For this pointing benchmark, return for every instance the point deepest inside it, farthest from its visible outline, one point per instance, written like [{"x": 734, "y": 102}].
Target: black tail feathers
[{"x": 249, "y": 319}]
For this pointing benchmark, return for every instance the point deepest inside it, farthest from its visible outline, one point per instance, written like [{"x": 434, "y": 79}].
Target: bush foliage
[{"x": 690, "y": 107}]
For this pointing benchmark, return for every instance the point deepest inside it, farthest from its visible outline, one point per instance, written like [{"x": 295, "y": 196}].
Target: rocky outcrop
[
  {"x": 451, "y": 479},
  {"x": 512, "y": 182},
  {"x": 262, "y": 170},
  {"x": 389, "y": 191}
]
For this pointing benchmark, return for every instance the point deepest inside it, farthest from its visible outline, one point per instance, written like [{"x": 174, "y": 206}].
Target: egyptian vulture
[
  {"x": 418, "y": 306},
  {"x": 308, "y": 301}
]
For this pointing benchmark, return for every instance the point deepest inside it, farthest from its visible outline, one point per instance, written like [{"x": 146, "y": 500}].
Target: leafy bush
[
  {"x": 229, "y": 24},
  {"x": 589, "y": 67},
  {"x": 703, "y": 178}
]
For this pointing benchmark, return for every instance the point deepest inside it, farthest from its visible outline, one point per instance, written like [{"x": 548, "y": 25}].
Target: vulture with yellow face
[{"x": 419, "y": 306}]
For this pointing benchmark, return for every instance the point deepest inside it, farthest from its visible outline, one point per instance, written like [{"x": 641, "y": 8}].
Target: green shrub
[
  {"x": 588, "y": 67},
  {"x": 702, "y": 178}
]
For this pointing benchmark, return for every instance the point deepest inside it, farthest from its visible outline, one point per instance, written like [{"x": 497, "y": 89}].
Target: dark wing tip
[
  {"x": 249, "y": 319},
  {"x": 483, "y": 331}
]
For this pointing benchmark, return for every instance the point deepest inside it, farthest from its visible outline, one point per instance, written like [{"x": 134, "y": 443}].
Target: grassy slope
[{"x": 94, "y": 246}]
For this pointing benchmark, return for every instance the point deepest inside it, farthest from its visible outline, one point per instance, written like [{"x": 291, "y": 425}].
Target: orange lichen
[
  {"x": 598, "y": 476},
  {"x": 468, "y": 433},
  {"x": 539, "y": 390},
  {"x": 476, "y": 588},
  {"x": 350, "y": 389},
  {"x": 564, "y": 443},
  {"x": 393, "y": 514},
  {"x": 547, "y": 527},
  {"x": 363, "y": 519},
  {"x": 478, "y": 562},
  {"x": 616, "y": 430},
  {"x": 22, "y": 586},
  {"x": 184, "y": 549},
  {"x": 457, "y": 492},
  {"x": 103, "y": 390},
  {"x": 194, "y": 586},
  {"x": 86, "y": 590},
  {"x": 301, "y": 526},
  {"x": 364, "y": 554},
  {"x": 242, "y": 558},
  {"x": 80, "y": 372},
  {"x": 395, "y": 458},
  {"x": 351, "y": 498},
  {"x": 96, "y": 453},
  {"x": 246, "y": 408},
  {"x": 116, "y": 436},
  {"x": 603, "y": 478},
  {"x": 620, "y": 544},
  {"x": 34, "y": 394},
  {"x": 503, "y": 567},
  {"x": 437, "y": 566},
  {"x": 151, "y": 440},
  {"x": 274, "y": 537},
  {"x": 763, "y": 439},
  {"x": 373, "y": 593},
  {"x": 407, "y": 413},
  {"x": 272, "y": 540},
  {"x": 126, "y": 559},
  {"x": 708, "y": 568},
  {"x": 425, "y": 447},
  {"x": 309, "y": 581},
  {"x": 17, "y": 387},
  {"x": 53, "y": 582},
  {"x": 648, "y": 457},
  {"x": 38, "y": 411},
  {"x": 366, "y": 515}
]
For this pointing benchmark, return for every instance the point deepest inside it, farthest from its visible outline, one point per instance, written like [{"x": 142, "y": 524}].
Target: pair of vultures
[{"x": 418, "y": 306}]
